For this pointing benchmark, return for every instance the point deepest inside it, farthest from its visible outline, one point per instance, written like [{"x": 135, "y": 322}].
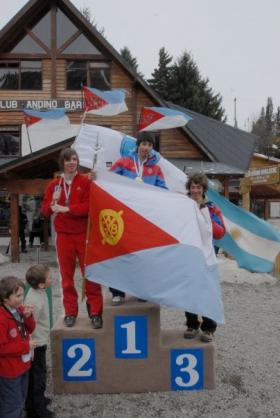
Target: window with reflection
[
  {"x": 23, "y": 75},
  {"x": 88, "y": 73},
  {"x": 81, "y": 45},
  {"x": 10, "y": 141},
  {"x": 64, "y": 28},
  {"x": 9, "y": 75},
  {"x": 28, "y": 45},
  {"x": 43, "y": 30}
]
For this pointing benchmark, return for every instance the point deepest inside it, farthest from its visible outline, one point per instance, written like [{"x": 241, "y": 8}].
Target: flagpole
[{"x": 28, "y": 137}]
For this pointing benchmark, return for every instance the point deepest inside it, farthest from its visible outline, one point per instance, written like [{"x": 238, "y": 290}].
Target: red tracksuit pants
[{"x": 69, "y": 247}]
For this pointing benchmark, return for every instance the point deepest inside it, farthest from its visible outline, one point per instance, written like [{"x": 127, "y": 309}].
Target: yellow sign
[
  {"x": 111, "y": 226},
  {"x": 263, "y": 175}
]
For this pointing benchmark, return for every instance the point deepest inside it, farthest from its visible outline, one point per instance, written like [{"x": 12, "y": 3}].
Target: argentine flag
[{"x": 253, "y": 242}]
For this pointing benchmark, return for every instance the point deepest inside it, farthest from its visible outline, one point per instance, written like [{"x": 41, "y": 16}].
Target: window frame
[
  {"x": 20, "y": 68},
  {"x": 8, "y": 129},
  {"x": 90, "y": 63}
]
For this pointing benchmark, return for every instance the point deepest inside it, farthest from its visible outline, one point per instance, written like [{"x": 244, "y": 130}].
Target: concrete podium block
[{"x": 129, "y": 354}]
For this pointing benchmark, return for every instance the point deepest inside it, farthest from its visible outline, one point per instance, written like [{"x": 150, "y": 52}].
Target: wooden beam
[
  {"x": 24, "y": 186},
  {"x": 53, "y": 50},
  {"x": 14, "y": 224},
  {"x": 38, "y": 41},
  {"x": 226, "y": 187}
]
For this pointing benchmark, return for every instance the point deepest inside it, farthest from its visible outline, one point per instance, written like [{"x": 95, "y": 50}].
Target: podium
[{"x": 129, "y": 354}]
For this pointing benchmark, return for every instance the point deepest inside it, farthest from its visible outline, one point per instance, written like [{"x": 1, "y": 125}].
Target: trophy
[{"x": 96, "y": 149}]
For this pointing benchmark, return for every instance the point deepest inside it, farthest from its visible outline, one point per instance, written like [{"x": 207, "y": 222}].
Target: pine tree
[
  {"x": 131, "y": 61},
  {"x": 265, "y": 128},
  {"x": 87, "y": 14},
  {"x": 183, "y": 85},
  {"x": 161, "y": 75}
]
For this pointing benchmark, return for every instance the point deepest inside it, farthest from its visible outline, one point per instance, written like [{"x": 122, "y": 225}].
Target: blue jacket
[{"x": 152, "y": 173}]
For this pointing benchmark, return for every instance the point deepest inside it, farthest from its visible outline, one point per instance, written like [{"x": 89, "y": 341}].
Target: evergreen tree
[
  {"x": 265, "y": 127},
  {"x": 277, "y": 123},
  {"x": 182, "y": 84},
  {"x": 269, "y": 122},
  {"x": 161, "y": 76},
  {"x": 87, "y": 14},
  {"x": 131, "y": 61}
]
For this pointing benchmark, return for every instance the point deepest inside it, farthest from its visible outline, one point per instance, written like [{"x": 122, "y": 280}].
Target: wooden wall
[
  {"x": 257, "y": 162},
  {"x": 174, "y": 143}
]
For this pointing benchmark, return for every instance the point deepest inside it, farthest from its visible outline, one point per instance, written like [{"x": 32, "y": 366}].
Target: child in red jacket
[{"x": 16, "y": 325}]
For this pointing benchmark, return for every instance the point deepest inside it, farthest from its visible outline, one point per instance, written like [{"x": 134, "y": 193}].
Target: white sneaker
[
  {"x": 117, "y": 300},
  {"x": 206, "y": 336}
]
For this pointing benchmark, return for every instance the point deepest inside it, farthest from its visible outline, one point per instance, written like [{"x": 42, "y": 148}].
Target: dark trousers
[
  {"x": 12, "y": 395},
  {"x": 116, "y": 292},
  {"x": 207, "y": 323},
  {"x": 35, "y": 401},
  {"x": 22, "y": 240}
]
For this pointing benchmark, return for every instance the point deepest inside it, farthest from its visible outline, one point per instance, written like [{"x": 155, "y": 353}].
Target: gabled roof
[
  {"x": 218, "y": 141},
  {"x": 27, "y": 14},
  {"x": 222, "y": 142},
  {"x": 208, "y": 167}
]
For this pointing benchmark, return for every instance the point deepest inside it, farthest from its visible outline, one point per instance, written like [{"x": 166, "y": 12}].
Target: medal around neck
[{"x": 138, "y": 179}]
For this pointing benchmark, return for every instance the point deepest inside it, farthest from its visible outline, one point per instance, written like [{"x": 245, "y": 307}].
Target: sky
[{"x": 234, "y": 43}]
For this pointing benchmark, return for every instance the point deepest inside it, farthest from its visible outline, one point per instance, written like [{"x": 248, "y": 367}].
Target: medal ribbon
[{"x": 139, "y": 166}]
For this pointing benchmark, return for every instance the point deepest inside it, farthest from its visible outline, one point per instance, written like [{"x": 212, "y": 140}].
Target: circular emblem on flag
[
  {"x": 111, "y": 226},
  {"x": 150, "y": 171},
  {"x": 13, "y": 333}
]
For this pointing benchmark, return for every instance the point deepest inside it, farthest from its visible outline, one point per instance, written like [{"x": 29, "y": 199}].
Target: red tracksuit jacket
[
  {"x": 13, "y": 345},
  {"x": 74, "y": 221}
]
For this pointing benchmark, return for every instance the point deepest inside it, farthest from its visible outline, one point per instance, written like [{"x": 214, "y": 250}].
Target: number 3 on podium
[{"x": 187, "y": 369}]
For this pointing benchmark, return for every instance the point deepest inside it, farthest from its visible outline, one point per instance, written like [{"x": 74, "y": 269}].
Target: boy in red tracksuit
[
  {"x": 68, "y": 198},
  {"x": 16, "y": 325}
]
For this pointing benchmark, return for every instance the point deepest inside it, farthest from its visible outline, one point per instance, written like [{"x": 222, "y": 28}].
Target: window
[
  {"x": 23, "y": 75},
  {"x": 28, "y": 45},
  {"x": 92, "y": 74},
  {"x": 10, "y": 141},
  {"x": 4, "y": 214}
]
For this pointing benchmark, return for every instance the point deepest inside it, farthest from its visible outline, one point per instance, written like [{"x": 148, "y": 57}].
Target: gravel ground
[{"x": 247, "y": 357}]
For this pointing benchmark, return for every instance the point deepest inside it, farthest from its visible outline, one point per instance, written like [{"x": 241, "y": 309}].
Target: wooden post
[
  {"x": 266, "y": 209},
  {"x": 246, "y": 201},
  {"x": 226, "y": 187},
  {"x": 14, "y": 224}
]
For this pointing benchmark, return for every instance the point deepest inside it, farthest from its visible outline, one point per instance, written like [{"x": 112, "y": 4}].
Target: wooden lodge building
[{"x": 47, "y": 51}]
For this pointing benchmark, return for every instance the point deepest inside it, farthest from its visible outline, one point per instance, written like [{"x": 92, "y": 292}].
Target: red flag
[
  {"x": 147, "y": 117},
  {"x": 117, "y": 230}
]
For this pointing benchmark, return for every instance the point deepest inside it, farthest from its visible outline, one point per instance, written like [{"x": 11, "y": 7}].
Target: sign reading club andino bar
[{"x": 42, "y": 104}]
